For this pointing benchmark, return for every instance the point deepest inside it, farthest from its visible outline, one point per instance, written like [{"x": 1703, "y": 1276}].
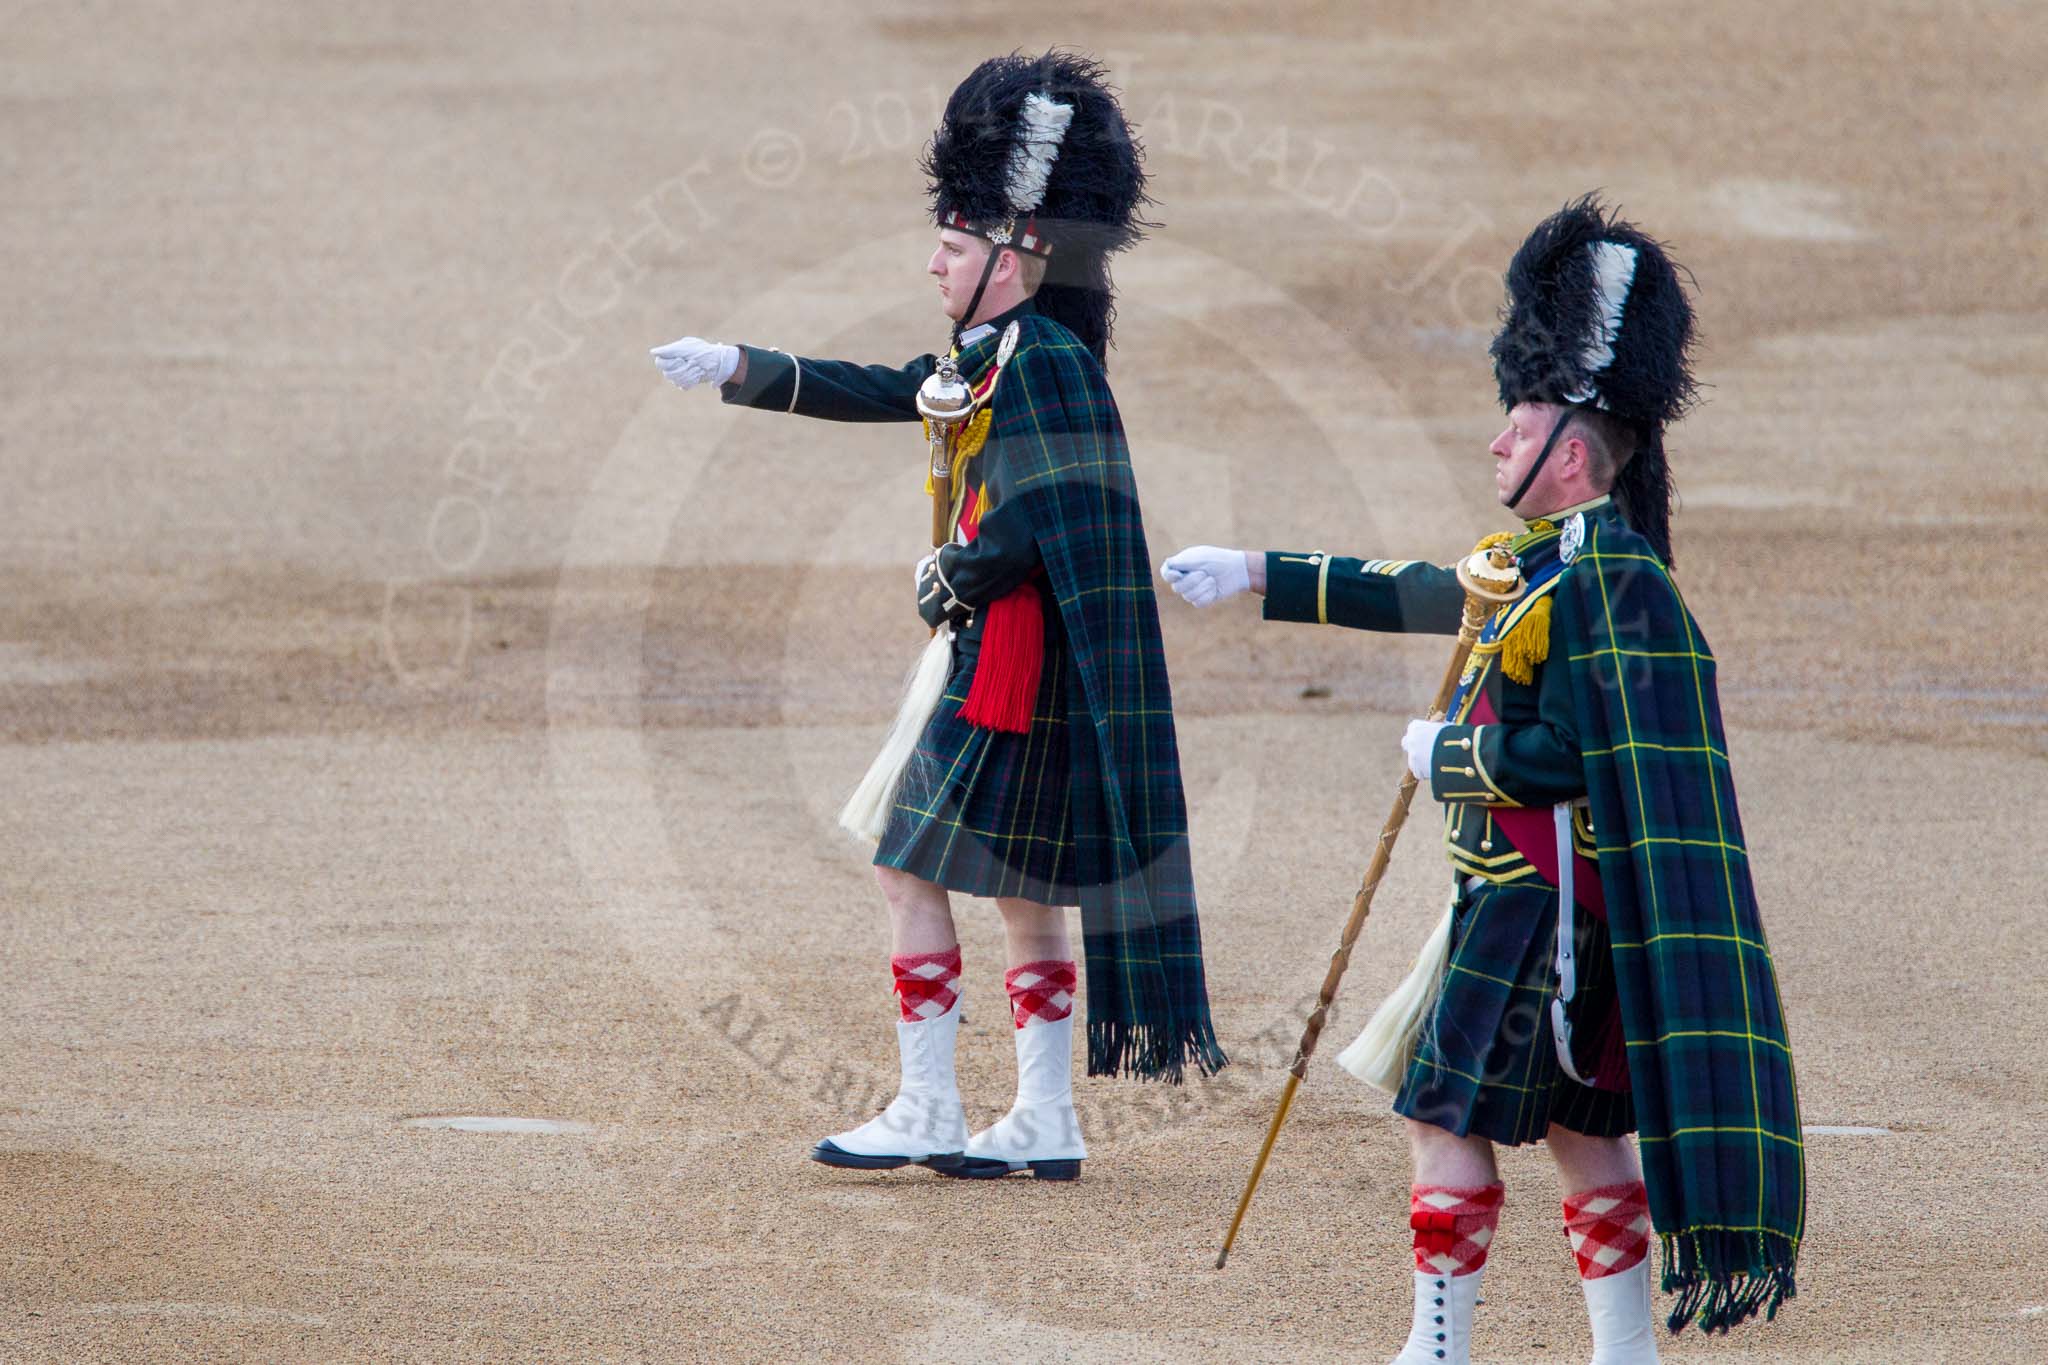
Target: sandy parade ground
[{"x": 415, "y": 709}]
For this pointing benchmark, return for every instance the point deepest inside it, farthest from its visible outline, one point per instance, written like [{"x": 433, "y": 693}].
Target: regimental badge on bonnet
[{"x": 1574, "y": 538}]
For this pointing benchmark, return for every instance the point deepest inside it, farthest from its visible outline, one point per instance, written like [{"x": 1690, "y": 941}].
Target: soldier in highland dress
[
  {"x": 1046, "y": 775},
  {"x": 1601, "y": 968}
]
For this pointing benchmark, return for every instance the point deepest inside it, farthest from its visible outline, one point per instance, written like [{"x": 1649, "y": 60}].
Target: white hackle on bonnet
[
  {"x": 1042, "y": 127},
  {"x": 1614, "y": 270}
]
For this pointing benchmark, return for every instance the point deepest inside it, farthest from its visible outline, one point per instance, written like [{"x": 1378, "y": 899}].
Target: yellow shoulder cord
[{"x": 1524, "y": 640}]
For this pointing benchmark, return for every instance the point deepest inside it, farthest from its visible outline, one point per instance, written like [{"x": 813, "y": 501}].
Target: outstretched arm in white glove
[
  {"x": 1206, "y": 574},
  {"x": 693, "y": 361}
]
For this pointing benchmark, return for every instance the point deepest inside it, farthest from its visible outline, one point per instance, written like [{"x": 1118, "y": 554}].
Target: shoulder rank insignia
[{"x": 1574, "y": 538}]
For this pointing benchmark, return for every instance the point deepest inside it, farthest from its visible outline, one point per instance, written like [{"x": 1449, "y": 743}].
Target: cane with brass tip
[{"x": 1491, "y": 578}]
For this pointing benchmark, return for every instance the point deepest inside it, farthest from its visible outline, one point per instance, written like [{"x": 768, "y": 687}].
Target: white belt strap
[{"x": 1567, "y": 967}]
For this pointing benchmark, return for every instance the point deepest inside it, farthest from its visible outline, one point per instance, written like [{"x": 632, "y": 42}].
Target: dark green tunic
[
  {"x": 1086, "y": 807},
  {"x": 1486, "y": 1062},
  {"x": 1628, "y": 691},
  {"x": 981, "y": 812}
]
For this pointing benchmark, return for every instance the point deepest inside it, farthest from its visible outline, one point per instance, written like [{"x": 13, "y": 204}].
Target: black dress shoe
[
  {"x": 832, "y": 1154},
  {"x": 987, "y": 1168}
]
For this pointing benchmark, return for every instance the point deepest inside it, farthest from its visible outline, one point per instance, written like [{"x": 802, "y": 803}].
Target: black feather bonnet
[
  {"x": 1034, "y": 153},
  {"x": 1597, "y": 317}
]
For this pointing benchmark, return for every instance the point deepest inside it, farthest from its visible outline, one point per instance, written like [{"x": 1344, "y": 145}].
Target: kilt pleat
[
  {"x": 1485, "y": 1063},
  {"x": 984, "y": 812}
]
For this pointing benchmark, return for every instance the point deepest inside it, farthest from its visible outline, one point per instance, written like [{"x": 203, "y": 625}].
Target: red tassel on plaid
[
  {"x": 1454, "y": 1225},
  {"x": 927, "y": 984},
  {"x": 1004, "y": 691},
  {"x": 1609, "y": 1228},
  {"x": 1041, "y": 992},
  {"x": 1005, "y": 687}
]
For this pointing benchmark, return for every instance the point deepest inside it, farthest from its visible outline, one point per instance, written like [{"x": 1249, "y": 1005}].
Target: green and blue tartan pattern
[
  {"x": 984, "y": 812},
  {"x": 1710, "y": 1060},
  {"x": 1485, "y": 1062},
  {"x": 1056, "y": 446}
]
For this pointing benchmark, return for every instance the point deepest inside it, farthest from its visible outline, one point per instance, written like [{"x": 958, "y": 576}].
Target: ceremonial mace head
[
  {"x": 1491, "y": 578},
  {"x": 1492, "y": 575},
  {"x": 944, "y": 400}
]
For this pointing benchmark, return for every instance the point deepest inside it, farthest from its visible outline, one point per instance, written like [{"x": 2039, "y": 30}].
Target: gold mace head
[
  {"x": 1492, "y": 575},
  {"x": 944, "y": 398}
]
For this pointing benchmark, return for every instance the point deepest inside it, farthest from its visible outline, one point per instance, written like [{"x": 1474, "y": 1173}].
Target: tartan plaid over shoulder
[
  {"x": 1709, "y": 1058},
  {"x": 1059, "y": 453}
]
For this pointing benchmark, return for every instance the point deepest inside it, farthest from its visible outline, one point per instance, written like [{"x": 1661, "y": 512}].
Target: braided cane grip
[{"x": 1490, "y": 578}]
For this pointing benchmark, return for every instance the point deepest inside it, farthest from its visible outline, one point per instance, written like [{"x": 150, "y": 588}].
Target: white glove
[
  {"x": 1206, "y": 574},
  {"x": 1419, "y": 743},
  {"x": 693, "y": 361}
]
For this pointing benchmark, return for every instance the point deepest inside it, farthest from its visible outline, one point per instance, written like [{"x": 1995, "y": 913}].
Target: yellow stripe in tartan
[
  {"x": 1483, "y": 976},
  {"x": 1433, "y": 1064},
  {"x": 1036, "y": 784},
  {"x": 1618, "y": 651},
  {"x": 1618, "y": 557},
  {"x": 1125, "y": 590},
  {"x": 1705, "y": 1033},
  {"x": 1728, "y": 881},
  {"x": 1055, "y": 471},
  {"x": 952, "y": 826},
  {"x": 1761, "y": 1134},
  {"x": 1007, "y": 838},
  {"x": 1696, "y": 938},
  {"x": 1649, "y": 839},
  {"x": 1660, "y": 748}
]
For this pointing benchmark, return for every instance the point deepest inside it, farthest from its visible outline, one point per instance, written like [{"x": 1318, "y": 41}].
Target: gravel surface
[{"x": 415, "y": 711}]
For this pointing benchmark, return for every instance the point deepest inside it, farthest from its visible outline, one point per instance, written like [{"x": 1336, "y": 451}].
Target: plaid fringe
[
  {"x": 1710, "y": 1058},
  {"x": 1724, "y": 1278},
  {"x": 1152, "y": 1052}
]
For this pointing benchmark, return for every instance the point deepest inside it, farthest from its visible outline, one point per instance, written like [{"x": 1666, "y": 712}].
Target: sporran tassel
[
  {"x": 1380, "y": 1054},
  {"x": 866, "y": 813}
]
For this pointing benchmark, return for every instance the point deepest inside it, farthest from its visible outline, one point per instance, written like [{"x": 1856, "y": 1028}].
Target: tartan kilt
[
  {"x": 1485, "y": 1063},
  {"x": 984, "y": 812}
]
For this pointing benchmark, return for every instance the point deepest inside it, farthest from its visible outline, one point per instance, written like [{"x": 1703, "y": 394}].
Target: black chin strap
[
  {"x": 988, "y": 268},
  {"x": 1542, "y": 456}
]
